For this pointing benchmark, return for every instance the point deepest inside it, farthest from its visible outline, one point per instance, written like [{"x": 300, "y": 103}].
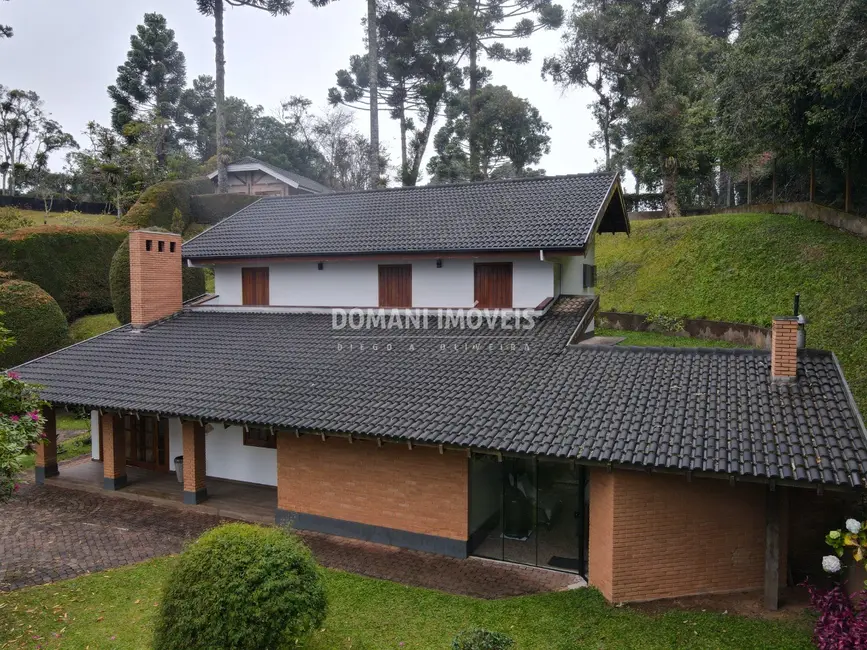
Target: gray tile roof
[
  {"x": 520, "y": 214},
  {"x": 303, "y": 181},
  {"x": 705, "y": 410}
]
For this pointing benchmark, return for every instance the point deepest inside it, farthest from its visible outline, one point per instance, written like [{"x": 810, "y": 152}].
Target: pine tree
[
  {"x": 216, "y": 9},
  {"x": 150, "y": 83}
]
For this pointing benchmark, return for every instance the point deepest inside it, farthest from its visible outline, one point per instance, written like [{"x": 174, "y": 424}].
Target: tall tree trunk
[
  {"x": 475, "y": 172},
  {"x": 423, "y": 138},
  {"x": 670, "y": 205},
  {"x": 373, "y": 71},
  {"x": 220, "y": 100},
  {"x": 404, "y": 165}
]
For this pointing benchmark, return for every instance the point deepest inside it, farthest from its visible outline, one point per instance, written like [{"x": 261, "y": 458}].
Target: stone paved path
[{"x": 51, "y": 533}]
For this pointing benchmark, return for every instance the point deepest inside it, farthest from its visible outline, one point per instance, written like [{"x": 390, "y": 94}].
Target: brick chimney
[
  {"x": 784, "y": 348},
  {"x": 154, "y": 275}
]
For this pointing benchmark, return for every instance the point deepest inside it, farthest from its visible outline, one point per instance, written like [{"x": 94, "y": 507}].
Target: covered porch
[{"x": 229, "y": 499}]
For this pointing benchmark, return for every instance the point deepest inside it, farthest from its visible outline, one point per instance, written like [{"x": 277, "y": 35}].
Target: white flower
[
  {"x": 834, "y": 534},
  {"x": 853, "y": 526},
  {"x": 831, "y": 564}
]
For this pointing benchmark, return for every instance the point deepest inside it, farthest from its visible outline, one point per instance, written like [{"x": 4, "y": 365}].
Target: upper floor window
[
  {"x": 255, "y": 286},
  {"x": 395, "y": 285},
  {"x": 493, "y": 284}
]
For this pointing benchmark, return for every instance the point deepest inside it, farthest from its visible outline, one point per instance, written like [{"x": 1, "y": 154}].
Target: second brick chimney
[
  {"x": 154, "y": 276},
  {"x": 784, "y": 348}
]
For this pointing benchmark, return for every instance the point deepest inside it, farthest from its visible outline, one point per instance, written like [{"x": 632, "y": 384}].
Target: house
[
  {"x": 256, "y": 178},
  {"x": 413, "y": 366}
]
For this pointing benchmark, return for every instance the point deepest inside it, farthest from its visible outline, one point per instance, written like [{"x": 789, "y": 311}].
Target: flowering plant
[
  {"x": 21, "y": 425},
  {"x": 854, "y": 538}
]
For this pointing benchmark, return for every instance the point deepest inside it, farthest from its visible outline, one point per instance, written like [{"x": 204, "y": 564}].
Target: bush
[
  {"x": 244, "y": 587},
  {"x": 193, "y": 281},
  {"x": 209, "y": 209},
  {"x": 157, "y": 204},
  {"x": 478, "y": 639},
  {"x": 35, "y": 320},
  {"x": 71, "y": 264},
  {"x": 841, "y": 623},
  {"x": 12, "y": 219}
]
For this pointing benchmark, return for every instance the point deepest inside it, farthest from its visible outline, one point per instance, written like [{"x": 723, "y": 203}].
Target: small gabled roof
[
  {"x": 528, "y": 214},
  {"x": 248, "y": 163},
  {"x": 702, "y": 410}
]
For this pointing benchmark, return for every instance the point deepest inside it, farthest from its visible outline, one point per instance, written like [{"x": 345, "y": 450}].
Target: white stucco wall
[
  {"x": 227, "y": 457},
  {"x": 356, "y": 284}
]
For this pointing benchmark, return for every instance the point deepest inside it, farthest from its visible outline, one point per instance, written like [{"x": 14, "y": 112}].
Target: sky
[{"x": 68, "y": 52}]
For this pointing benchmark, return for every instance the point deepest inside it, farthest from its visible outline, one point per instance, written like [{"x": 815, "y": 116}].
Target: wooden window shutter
[
  {"x": 493, "y": 285},
  {"x": 255, "y": 286},
  {"x": 395, "y": 285}
]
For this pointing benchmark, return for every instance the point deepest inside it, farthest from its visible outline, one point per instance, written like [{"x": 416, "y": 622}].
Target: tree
[
  {"x": 150, "y": 83},
  {"x": 5, "y": 30},
  {"x": 510, "y": 135},
  {"x": 216, "y": 8},
  {"x": 27, "y": 135},
  {"x": 417, "y": 66},
  {"x": 373, "y": 76},
  {"x": 345, "y": 151},
  {"x": 482, "y": 26},
  {"x": 197, "y": 118},
  {"x": 651, "y": 66}
]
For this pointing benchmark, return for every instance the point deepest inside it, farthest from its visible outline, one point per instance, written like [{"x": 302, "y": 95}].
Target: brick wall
[
  {"x": 418, "y": 490},
  {"x": 784, "y": 347},
  {"x": 154, "y": 275},
  {"x": 656, "y": 536}
]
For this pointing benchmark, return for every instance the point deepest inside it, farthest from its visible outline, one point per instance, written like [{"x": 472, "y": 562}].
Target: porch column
[
  {"x": 114, "y": 452},
  {"x": 772, "y": 549},
  {"x": 195, "y": 490},
  {"x": 46, "y": 454}
]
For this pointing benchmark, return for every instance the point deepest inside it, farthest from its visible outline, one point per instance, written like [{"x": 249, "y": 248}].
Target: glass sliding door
[{"x": 529, "y": 511}]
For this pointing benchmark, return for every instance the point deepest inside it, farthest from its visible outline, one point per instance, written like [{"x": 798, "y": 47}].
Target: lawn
[
  {"x": 89, "y": 326},
  {"x": 69, "y": 218},
  {"x": 115, "y": 609},
  {"x": 745, "y": 268},
  {"x": 657, "y": 339}
]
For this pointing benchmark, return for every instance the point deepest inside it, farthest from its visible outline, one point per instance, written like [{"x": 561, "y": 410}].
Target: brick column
[
  {"x": 46, "y": 454},
  {"x": 114, "y": 452},
  {"x": 195, "y": 490}
]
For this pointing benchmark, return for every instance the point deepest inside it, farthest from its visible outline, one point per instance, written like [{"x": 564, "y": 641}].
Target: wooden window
[
  {"x": 260, "y": 437},
  {"x": 255, "y": 288},
  {"x": 589, "y": 276},
  {"x": 395, "y": 285},
  {"x": 494, "y": 285}
]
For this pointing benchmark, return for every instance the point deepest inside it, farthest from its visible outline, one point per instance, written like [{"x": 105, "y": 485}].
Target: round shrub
[
  {"x": 35, "y": 320},
  {"x": 478, "y": 639},
  {"x": 244, "y": 587},
  {"x": 118, "y": 278}
]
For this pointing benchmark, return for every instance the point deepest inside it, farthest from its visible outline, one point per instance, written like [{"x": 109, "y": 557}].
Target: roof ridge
[{"x": 497, "y": 181}]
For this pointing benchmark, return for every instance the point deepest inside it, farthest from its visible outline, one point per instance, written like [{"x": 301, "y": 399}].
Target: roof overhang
[
  {"x": 253, "y": 167},
  {"x": 391, "y": 256},
  {"x": 612, "y": 216}
]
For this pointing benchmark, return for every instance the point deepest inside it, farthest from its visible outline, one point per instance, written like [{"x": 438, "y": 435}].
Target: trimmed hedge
[
  {"x": 157, "y": 204},
  {"x": 210, "y": 209},
  {"x": 193, "y": 280},
  {"x": 244, "y": 587},
  {"x": 70, "y": 263},
  {"x": 35, "y": 320}
]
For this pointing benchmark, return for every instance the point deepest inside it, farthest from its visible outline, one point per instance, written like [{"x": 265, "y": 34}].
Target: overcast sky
[{"x": 68, "y": 52}]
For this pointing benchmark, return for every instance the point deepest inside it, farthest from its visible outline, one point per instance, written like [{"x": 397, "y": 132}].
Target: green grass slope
[{"x": 745, "y": 268}]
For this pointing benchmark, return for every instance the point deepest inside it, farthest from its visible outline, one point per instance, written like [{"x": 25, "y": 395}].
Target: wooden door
[
  {"x": 255, "y": 286},
  {"x": 147, "y": 442},
  {"x": 494, "y": 285},
  {"x": 395, "y": 285}
]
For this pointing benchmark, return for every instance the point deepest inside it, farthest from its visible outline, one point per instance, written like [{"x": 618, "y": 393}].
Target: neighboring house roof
[
  {"x": 551, "y": 213},
  {"x": 292, "y": 179},
  {"x": 702, "y": 410}
]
